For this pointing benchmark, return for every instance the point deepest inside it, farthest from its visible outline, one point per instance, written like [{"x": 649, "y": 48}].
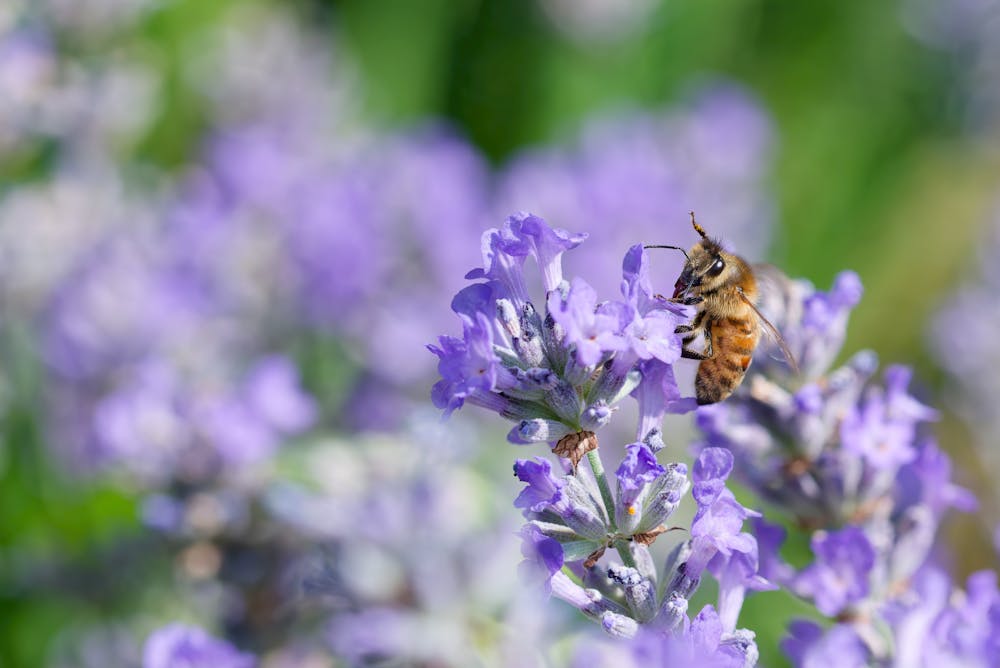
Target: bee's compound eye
[{"x": 717, "y": 267}]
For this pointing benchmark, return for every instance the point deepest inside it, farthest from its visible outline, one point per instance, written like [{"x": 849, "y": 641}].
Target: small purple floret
[{"x": 543, "y": 491}]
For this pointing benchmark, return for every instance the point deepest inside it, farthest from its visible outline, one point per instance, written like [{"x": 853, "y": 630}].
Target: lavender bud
[
  {"x": 613, "y": 385},
  {"x": 553, "y": 335},
  {"x": 864, "y": 363},
  {"x": 682, "y": 583},
  {"x": 573, "y": 548},
  {"x": 619, "y": 626},
  {"x": 675, "y": 559},
  {"x": 744, "y": 642},
  {"x": 587, "y": 515},
  {"x": 637, "y": 471},
  {"x": 654, "y": 439},
  {"x": 589, "y": 601},
  {"x": 597, "y": 579},
  {"x": 564, "y": 402},
  {"x": 507, "y": 316},
  {"x": 532, "y": 383},
  {"x": 537, "y": 430},
  {"x": 914, "y": 539},
  {"x": 673, "y": 612},
  {"x": 643, "y": 561},
  {"x": 512, "y": 409},
  {"x": 575, "y": 373},
  {"x": 639, "y": 592},
  {"x": 596, "y": 416},
  {"x": 529, "y": 344},
  {"x": 664, "y": 495}
]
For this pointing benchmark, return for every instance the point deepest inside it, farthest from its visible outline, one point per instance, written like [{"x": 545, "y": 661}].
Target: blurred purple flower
[
  {"x": 770, "y": 538},
  {"x": 840, "y": 575},
  {"x": 121, "y": 302},
  {"x": 808, "y": 647},
  {"x": 181, "y": 646},
  {"x": 928, "y": 481},
  {"x": 931, "y": 624},
  {"x": 880, "y": 435},
  {"x": 272, "y": 392}
]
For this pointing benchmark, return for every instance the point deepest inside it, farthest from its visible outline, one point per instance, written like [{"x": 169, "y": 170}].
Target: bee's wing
[
  {"x": 776, "y": 294},
  {"x": 773, "y": 333}
]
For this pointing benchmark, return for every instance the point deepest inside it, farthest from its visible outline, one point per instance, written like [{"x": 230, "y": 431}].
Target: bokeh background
[{"x": 227, "y": 229}]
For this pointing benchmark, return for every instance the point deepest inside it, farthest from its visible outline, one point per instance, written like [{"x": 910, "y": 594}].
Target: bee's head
[{"x": 708, "y": 266}]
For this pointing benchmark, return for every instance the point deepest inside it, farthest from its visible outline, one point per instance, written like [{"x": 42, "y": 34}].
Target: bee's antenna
[
  {"x": 672, "y": 247},
  {"x": 698, "y": 228}
]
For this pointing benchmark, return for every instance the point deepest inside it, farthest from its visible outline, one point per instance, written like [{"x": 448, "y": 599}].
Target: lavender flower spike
[
  {"x": 844, "y": 456},
  {"x": 559, "y": 376}
]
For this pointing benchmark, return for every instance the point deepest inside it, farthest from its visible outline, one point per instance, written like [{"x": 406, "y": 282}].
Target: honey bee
[{"x": 724, "y": 289}]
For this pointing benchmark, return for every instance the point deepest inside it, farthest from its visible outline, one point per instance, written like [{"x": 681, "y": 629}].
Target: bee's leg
[
  {"x": 687, "y": 301},
  {"x": 692, "y": 329},
  {"x": 687, "y": 353}
]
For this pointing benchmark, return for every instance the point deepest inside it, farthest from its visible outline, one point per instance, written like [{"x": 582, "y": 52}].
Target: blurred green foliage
[{"x": 872, "y": 173}]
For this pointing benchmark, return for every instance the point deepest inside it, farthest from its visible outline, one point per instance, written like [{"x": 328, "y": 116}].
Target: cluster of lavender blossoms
[
  {"x": 559, "y": 374},
  {"x": 848, "y": 458}
]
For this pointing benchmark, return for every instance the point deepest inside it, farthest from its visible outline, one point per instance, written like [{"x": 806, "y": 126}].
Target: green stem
[
  {"x": 597, "y": 466},
  {"x": 602, "y": 483},
  {"x": 624, "y": 552}
]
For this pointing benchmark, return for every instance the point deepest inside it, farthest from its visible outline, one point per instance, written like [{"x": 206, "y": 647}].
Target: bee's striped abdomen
[{"x": 733, "y": 343}]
